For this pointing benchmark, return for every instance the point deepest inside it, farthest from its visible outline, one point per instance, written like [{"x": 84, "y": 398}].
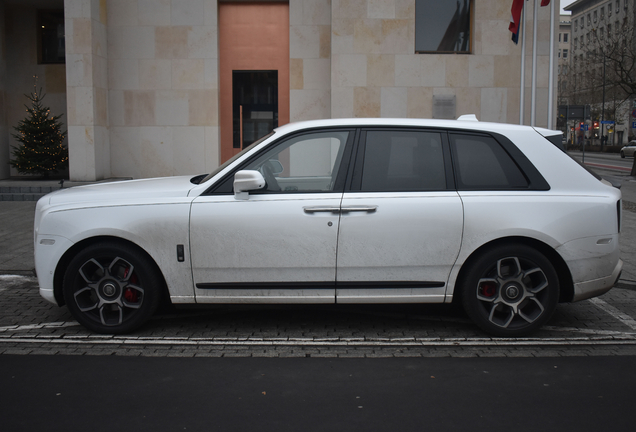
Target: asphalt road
[{"x": 130, "y": 394}]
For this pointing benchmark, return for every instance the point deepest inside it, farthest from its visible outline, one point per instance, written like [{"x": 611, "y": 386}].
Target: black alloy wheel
[
  {"x": 112, "y": 288},
  {"x": 510, "y": 291}
]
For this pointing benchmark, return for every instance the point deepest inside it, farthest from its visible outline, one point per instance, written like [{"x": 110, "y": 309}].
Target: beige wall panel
[
  {"x": 366, "y": 102},
  {"x": 419, "y": 102},
  {"x": 153, "y": 12},
  {"x": 394, "y": 102},
  {"x": 381, "y": 70}
]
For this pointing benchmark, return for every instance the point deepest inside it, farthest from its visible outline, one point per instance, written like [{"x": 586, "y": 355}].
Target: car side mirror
[{"x": 245, "y": 181}]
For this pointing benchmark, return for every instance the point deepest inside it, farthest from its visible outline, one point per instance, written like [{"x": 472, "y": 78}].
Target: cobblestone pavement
[{"x": 29, "y": 325}]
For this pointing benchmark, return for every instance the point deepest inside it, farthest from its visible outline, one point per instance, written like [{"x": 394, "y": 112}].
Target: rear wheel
[
  {"x": 510, "y": 291},
  {"x": 623, "y": 155},
  {"x": 111, "y": 288}
]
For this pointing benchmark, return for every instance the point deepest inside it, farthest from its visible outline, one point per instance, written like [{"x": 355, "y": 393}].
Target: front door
[
  {"x": 253, "y": 72},
  {"x": 279, "y": 244}
]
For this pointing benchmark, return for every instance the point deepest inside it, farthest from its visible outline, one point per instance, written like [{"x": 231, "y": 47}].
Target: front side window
[
  {"x": 482, "y": 163},
  {"x": 305, "y": 163},
  {"x": 443, "y": 26},
  {"x": 396, "y": 161}
]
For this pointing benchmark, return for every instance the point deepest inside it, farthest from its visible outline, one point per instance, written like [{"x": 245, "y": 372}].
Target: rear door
[{"x": 401, "y": 221}]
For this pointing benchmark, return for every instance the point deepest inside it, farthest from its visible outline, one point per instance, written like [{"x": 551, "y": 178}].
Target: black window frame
[
  {"x": 355, "y": 181},
  {"x": 225, "y": 185},
  {"x": 536, "y": 181}
]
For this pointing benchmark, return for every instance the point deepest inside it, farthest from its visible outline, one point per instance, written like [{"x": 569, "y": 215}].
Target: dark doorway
[{"x": 254, "y": 105}]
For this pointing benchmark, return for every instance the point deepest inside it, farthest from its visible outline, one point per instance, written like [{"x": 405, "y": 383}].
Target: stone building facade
[{"x": 142, "y": 86}]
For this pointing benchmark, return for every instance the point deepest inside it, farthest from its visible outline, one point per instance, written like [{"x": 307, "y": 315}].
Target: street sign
[
  {"x": 607, "y": 122},
  {"x": 633, "y": 125},
  {"x": 634, "y": 113}
]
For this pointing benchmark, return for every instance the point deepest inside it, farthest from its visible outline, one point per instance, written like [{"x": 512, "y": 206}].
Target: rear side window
[
  {"x": 482, "y": 163},
  {"x": 403, "y": 161}
]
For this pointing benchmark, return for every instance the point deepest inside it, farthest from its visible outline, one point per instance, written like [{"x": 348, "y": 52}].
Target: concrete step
[{"x": 25, "y": 193}]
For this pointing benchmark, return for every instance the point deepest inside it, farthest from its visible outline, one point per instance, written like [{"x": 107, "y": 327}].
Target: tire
[
  {"x": 112, "y": 288},
  {"x": 510, "y": 291},
  {"x": 622, "y": 155}
]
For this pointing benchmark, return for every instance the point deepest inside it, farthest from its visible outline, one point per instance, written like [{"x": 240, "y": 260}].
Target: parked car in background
[
  {"x": 494, "y": 216},
  {"x": 629, "y": 149}
]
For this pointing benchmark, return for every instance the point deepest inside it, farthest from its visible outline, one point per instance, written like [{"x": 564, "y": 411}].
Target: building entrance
[{"x": 253, "y": 72}]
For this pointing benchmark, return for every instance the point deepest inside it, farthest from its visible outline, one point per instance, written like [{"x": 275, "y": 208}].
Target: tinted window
[
  {"x": 403, "y": 161},
  {"x": 481, "y": 163}
]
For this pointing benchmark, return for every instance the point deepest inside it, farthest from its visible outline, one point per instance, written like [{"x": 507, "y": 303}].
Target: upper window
[
  {"x": 305, "y": 163},
  {"x": 51, "y": 48},
  {"x": 603, "y": 12},
  {"x": 481, "y": 163},
  {"x": 618, "y": 6},
  {"x": 595, "y": 16},
  {"x": 609, "y": 9},
  {"x": 443, "y": 27},
  {"x": 565, "y": 53},
  {"x": 396, "y": 161},
  {"x": 565, "y": 37}
]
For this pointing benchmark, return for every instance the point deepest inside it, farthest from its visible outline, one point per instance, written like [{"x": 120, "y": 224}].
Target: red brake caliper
[
  {"x": 130, "y": 294},
  {"x": 488, "y": 289}
]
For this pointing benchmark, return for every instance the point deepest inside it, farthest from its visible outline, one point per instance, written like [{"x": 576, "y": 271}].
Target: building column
[{"x": 87, "y": 94}]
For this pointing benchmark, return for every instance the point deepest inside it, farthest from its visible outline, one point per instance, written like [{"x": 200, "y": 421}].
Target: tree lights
[{"x": 41, "y": 151}]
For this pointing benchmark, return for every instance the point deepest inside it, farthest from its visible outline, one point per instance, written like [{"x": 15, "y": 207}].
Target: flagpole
[
  {"x": 522, "y": 91},
  {"x": 551, "y": 73},
  {"x": 533, "y": 102}
]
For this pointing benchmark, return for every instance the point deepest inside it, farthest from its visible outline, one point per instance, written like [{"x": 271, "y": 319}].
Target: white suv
[{"x": 343, "y": 211}]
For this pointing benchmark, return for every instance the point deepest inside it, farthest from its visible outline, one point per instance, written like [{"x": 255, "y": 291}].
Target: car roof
[{"x": 432, "y": 123}]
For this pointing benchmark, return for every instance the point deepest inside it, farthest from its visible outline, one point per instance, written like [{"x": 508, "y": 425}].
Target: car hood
[{"x": 125, "y": 192}]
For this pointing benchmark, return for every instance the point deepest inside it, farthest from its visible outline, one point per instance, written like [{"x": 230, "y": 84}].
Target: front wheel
[
  {"x": 510, "y": 291},
  {"x": 111, "y": 288}
]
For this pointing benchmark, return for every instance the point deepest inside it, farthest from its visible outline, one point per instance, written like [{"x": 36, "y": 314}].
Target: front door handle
[
  {"x": 368, "y": 209},
  {"x": 321, "y": 209}
]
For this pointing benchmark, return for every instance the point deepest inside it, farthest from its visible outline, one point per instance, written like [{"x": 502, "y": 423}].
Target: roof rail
[{"x": 467, "y": 117}]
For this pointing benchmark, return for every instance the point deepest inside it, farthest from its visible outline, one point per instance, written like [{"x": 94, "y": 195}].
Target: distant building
[
  {"x": 598, "y": 27},
  {"x": 166, "y": 87}
]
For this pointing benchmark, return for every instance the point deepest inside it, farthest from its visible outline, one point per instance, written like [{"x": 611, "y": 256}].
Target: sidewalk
[{"x": 16, "y": 225}]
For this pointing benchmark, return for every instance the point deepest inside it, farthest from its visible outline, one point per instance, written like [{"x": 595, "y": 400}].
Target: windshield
[{"x": 235, "y": 157}]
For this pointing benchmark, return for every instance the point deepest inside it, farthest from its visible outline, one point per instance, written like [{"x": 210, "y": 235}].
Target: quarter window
[
  {"x": 403, "y": 161},
  {"x": 481, "y": 163}
]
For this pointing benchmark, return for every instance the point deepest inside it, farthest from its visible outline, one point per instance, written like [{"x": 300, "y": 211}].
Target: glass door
[{"x": 254, "y": 105}]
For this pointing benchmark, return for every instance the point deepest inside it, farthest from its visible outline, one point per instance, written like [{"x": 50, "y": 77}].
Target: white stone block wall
[
  {"x": 310, "y": 59},
  {"x": 142, "y": 87},
  {"x": 376, "y": 72}
]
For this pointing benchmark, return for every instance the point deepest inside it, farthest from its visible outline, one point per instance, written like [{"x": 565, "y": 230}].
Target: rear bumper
[{"x": 596, "y": 287}]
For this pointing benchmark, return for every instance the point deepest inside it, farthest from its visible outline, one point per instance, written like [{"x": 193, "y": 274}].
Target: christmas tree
[{"x": 41, "y": 151}]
